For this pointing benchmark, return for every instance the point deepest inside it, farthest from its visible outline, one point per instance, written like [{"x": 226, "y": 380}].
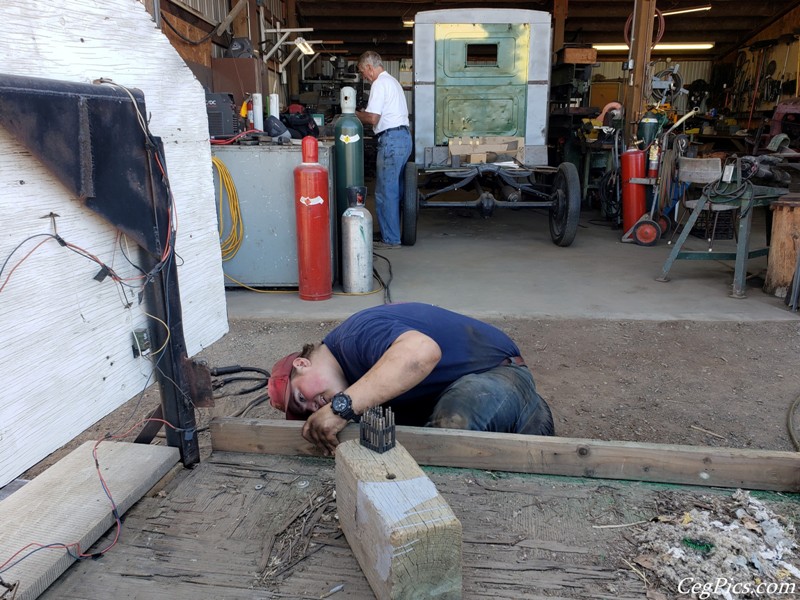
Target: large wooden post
[
  {"x": 641, "y": 40},
  {"x": 403, "y": 533},
  {"x": 784, "y": 246},
  {"x": 559, "y": 17}
]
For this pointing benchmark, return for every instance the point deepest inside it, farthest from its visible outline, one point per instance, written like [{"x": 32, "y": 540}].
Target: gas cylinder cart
[{"x": 481, "y": 89}]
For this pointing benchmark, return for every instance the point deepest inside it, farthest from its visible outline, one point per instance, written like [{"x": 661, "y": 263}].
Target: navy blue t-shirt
[{"x": 468, "y": 345}]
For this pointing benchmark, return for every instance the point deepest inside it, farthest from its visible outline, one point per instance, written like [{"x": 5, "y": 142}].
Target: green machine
[{"x": 481, "y": 88}]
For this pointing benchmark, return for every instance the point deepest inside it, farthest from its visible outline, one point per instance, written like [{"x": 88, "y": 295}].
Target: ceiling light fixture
[
  {"x": 683, "y": 11},
  {"x": 410, "y": 42},
  {"x": 665, "y": 46},
  {"x": 408, "y": 22},
  {"x": 304, "y": 46}
]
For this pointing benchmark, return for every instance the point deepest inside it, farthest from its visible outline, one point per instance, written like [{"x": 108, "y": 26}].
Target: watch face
[{"x": 339, "y": 403}]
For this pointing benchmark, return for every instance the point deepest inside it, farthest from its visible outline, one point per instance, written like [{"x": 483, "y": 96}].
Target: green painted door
[{"x": 481, "y": 79}]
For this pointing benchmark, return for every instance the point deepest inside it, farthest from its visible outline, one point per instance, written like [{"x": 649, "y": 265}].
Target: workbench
[{"x": 752, "y": 197}]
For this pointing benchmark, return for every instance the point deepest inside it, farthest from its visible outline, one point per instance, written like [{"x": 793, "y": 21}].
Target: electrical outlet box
[{"x": 141, "y": 342}]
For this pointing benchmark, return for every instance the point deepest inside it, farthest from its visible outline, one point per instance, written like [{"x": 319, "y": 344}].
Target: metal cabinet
[{"x": 264, "y": 178}]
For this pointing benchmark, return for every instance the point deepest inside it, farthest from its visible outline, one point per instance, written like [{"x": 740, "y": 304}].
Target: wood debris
[{"x": 311, "y": 527}]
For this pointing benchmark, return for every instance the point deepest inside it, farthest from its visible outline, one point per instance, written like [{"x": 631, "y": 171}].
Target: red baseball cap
[{"x": 278, "y": 387}]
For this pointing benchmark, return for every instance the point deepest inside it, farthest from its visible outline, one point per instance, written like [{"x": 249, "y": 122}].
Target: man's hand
[{"x": 321, "y": 428}]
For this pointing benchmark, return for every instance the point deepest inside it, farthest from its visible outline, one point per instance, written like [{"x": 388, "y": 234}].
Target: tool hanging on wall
[
  {"x": 762, "y": 46},
  {"x": 787, "y": 39},
  {"x": 741, "y": 81},
  {"x": 771, "y": 87}
]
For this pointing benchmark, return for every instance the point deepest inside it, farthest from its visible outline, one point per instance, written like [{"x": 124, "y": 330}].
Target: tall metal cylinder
[
  {"x": 348, "y": 148},
  {"x": 312, "y": 212},
  {"x": 356, "y": 243},
  {"x": 633, "y": 194}
]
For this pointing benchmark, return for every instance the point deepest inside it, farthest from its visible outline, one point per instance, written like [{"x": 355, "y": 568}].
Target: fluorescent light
[
  {"x": 683, "y": 11},
  {"x": 408, "y": 22},
  {"x": 666, "y": 46},
  {"x": 304, "y": 46},
  {"x": 409, "y": 42}
]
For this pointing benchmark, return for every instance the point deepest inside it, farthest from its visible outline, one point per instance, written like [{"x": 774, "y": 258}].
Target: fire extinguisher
[
  {"x": 633, "y": 194},
  {"x": 312, "y": 213},
  {"x": 653, "y": 159}
]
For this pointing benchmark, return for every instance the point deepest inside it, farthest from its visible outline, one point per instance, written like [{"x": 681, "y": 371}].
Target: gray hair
[{"x": 371, "y": 58}]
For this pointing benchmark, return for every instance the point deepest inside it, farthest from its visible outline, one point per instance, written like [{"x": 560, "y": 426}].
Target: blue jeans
[
  {"x": 394, "y": 148},
  {"x": 503, "y": 399}
]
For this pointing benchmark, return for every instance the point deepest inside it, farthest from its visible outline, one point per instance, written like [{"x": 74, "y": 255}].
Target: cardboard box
[
  {"x": 577, "y": 56},
  {"x": 487, "y": 148}
]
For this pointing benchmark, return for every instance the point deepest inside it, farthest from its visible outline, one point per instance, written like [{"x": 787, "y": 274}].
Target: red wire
[
  {"x": 170, "y": 212},
  {"x": 234, "y": 138},
  {"x": 76, "y": 545},
  {"x": 20, "y": 262}
]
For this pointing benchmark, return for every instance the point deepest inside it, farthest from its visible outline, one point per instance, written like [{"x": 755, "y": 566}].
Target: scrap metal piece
[{"x": 377, "y": 429}]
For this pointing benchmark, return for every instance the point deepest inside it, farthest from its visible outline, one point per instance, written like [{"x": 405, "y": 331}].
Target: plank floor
[{"x": 211, "y": 533}]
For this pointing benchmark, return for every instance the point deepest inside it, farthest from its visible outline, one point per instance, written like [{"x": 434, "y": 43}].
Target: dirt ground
[{"x": 677, "y": 382}]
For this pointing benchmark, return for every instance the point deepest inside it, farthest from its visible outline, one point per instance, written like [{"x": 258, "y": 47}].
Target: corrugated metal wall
[{"x": 213, "y": 10}]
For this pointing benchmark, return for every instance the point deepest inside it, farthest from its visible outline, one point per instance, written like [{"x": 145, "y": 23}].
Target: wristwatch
[{"x": 342, "y": 406}]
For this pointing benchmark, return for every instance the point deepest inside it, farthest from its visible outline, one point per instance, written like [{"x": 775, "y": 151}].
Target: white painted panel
[{"x": 65, "y": 339}]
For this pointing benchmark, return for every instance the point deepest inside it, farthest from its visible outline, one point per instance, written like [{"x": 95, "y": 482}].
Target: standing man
[
  {"x": 387, "y": 113},
  {"x": 433, "y": 367}
]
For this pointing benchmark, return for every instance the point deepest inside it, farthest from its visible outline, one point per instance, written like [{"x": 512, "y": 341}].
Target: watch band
[{"x": 347, "y": 412}]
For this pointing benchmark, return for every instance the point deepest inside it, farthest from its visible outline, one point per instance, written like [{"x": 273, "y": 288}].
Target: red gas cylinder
[
  {"x": 312, "y": 211},
  {"x": 633, "y": 194}
]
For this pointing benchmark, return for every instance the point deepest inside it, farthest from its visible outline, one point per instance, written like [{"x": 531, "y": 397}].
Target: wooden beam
[
  {"x": 402, "y": 532},
  {"x": 641, "y": 35},
  {"x": 559, "y": 17},
  {"x": 692, "y": 465},
  {"x": 67, "y": 504}
]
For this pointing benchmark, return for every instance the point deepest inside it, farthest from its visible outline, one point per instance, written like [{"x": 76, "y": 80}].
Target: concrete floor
[{"x": 506, "y": 265}]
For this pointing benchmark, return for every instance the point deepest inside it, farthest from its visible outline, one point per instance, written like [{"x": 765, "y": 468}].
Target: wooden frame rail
[{"x": 665, "y": 463}]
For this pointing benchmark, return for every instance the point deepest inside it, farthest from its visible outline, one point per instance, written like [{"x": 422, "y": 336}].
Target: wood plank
[
  {"x": 67, "y": 504},
  {"x": 403, "y": 533},
  {"x": 691, "y": 465}
]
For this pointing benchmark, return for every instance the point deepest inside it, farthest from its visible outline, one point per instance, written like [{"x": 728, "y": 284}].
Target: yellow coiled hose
[{"x": 233, "y": 241}]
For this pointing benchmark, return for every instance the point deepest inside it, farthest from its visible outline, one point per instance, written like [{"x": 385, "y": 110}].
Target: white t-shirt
[{"x": 386, "y": 98}]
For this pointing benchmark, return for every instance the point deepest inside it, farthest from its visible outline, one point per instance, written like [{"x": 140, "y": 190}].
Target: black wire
[
  {"x": 230, "y": 370},
  {"x": 202, "y": 40},
  {"x": 387, "y": 295},
  {"x": 5, "y": 262},
  {"x": 133, "y": 264}
]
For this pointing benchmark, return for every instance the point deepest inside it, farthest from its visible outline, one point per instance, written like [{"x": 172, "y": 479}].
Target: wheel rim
[{"x": 646, "y": 233}]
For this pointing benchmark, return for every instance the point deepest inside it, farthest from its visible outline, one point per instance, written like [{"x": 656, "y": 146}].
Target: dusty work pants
[{"x": 503, "y": 399}]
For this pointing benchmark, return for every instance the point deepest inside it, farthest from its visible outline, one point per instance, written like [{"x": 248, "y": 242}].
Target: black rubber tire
[
  {"x": 566, "y": 209},
  {"x": 646, "y": 233},
  {"x": 410, "y": 208},
  {"x": 664, "y": 224}
]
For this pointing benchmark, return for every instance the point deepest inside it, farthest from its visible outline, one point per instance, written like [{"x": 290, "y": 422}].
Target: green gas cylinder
[
  {"x": 349, "y": 150},
  {"x": 649, "y": 126}
]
